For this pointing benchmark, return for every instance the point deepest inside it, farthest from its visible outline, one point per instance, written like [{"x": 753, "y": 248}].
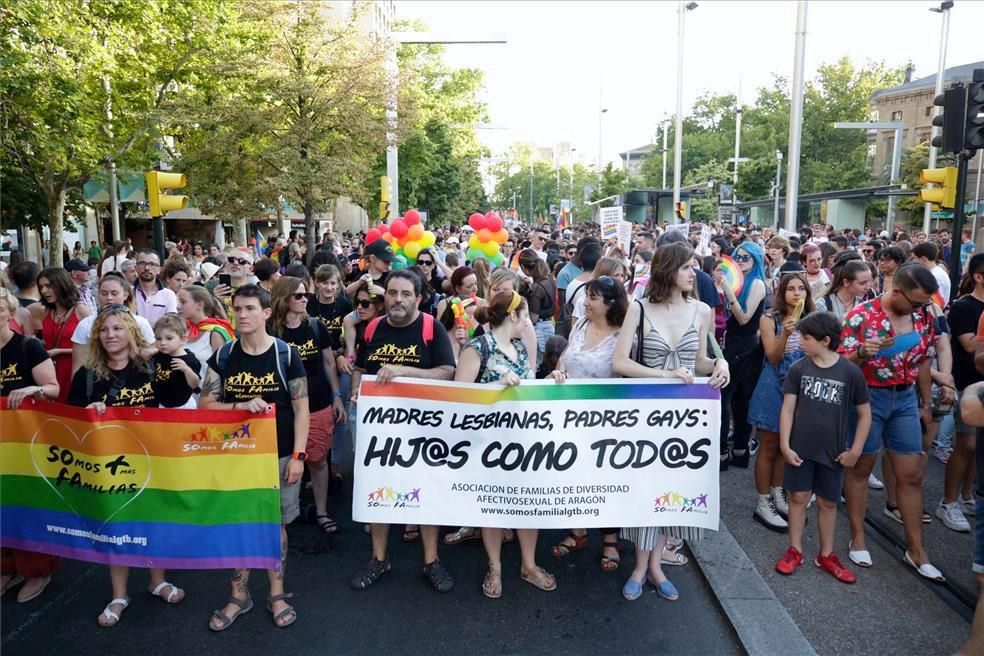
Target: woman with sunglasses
[
  {"x": 742, "y": 350},
  {"x": 670, "y": 314},
  {"x": 499, "y": 357},
  {"x": 290, "y": 322},
  {"x": 112, "y": 290},
  {"x": 28, "y": 371},
  {"x": 57, "y": 317},
  {"x": 116, "y": 374},
  {"x": 590, "y": 354},
  {"x": 781, "y": 343}
]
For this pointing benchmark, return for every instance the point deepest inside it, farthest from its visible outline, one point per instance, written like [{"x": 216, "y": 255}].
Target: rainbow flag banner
[
  {"x": 144, "y": 487},
  {"x": 596, "y": 453}
]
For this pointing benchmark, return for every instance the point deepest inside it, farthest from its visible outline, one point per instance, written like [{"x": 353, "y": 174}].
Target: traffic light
[
  {"x": 974, "y": 132},
  {"x": 384, "y": 197},
  {"x": 157, "y": 183},
  {"x": 951, "y": 119},
  {"x": 945, "y": 194}
]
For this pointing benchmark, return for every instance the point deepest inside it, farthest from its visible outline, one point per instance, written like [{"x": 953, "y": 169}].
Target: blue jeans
[
  {"x": 944, "y": 438},
  {"x": 894, "y": 421},
  {"x": 342, "y": 431}
]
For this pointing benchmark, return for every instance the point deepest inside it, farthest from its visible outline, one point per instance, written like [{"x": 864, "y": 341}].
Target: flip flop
[
  {"x": 110, "y": 615},
  {"x": 326, "y": 523},
  {"x": 245, "y": 605},
  {"x": 13, "y": 582},
  {"x": 926, "y": 570}
]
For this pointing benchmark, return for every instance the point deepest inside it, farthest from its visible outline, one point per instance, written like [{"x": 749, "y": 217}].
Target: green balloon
[
  {"x": 399, "y": 262},
  {"x": 498, "y": 259},
  {"x": 474, "y": 253}
]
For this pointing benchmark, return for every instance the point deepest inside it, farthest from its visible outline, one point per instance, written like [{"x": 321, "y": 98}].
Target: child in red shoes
[{"x": 818, "y": 394}]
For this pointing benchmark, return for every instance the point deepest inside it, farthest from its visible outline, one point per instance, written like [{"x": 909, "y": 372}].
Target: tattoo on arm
[
  {"x": 298, "y": 388},
  {"x": 212, "y": 386}
]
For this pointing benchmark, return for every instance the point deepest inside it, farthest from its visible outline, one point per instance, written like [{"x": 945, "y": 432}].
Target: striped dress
[{"x": 658, "y": 354}]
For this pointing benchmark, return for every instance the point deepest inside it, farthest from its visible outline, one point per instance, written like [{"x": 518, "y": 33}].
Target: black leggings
[{"x": 745, "y": 367}]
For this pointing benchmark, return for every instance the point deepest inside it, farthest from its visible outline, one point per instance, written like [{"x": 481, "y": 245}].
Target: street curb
[{"x": 762, "y": 623}]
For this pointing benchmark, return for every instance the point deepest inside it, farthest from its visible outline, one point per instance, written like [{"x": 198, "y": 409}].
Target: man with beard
[{"x": 154, "y": 300}]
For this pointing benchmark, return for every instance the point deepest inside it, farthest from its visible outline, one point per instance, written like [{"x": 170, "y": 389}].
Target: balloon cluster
[
  {"x": 489, "y": 236},
  {"x": 406, "y": 235}
]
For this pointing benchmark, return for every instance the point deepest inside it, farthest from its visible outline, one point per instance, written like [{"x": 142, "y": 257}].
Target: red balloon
[
  {"x": 484, "y": 235},
  {"x": 493, "y": 223},
  {"x": 383, "y": 229},
  {"x": 476, "y": 221},
  {"x": 373, "y": 235},
  {"x": 412, "y": 217},
  {"x": 398, "y": 229}
]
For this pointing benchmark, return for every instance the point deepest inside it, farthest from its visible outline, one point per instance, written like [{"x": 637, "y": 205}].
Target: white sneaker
[
  {"x": 780, "y": 498},
  {"x": 874, "y": 483},
  {"x": 968, "y": 506},
  {"x": 765, "y": 514},
  {"x": 952, "y": 517}
]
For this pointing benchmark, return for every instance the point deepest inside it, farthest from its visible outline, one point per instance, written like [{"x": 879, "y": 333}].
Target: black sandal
[
  {"x": 282, "y": 614},
  {"x": 326, "y": 523},
  {"x": 370, "y": 574},
  {"x": 245, "y": 605}
]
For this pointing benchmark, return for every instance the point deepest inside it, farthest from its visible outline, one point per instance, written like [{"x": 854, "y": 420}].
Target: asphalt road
[
  {"x": 401, "y": 614},
  {"x": 890, "y": 610}
]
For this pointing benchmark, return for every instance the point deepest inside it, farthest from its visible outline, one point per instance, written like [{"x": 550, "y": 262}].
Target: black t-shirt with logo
[
  {"x": 964, "y": 315},
  {"x": 172, "y": 387},
  {"x": 131, "y": 387},
  {"x": 17, "y": 360},
  {"x": 331, "y": 315},
  {"x": 310, "y": 345},
  {"x": 405, "y": 347},
  {"x": 249, "y": 376}
]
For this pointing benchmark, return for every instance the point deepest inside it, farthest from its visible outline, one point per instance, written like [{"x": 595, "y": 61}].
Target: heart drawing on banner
[{"x": 116, "y": 479}]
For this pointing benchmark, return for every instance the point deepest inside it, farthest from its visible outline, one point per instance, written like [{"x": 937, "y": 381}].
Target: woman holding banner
[
  {"x": 28, "y": 371},
  {"x": 499, "y": 356},
  {"x": 590, "y": 354},
  {"x": 115, "y": 374},
  {"x": 669, "y": 315}
]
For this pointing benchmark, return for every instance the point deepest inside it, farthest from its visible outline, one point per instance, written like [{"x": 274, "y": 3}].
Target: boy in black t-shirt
[
  {"x": 175, "y": 369},
  {"x": 406, "y": 343},
  {"x": 249, "y": 374},
  {"x": 818, "y": 394}
]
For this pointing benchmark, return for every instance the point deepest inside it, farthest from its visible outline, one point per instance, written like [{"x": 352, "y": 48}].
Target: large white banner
[{"x": 598, "y": 453}]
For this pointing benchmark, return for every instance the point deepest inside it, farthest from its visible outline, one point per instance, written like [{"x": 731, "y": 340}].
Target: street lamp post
[
  {"x": 666, "y": 134},
  {"x": 796, "y": 118},
  {"x": 943, "y": 9},
  {"x": 775, "y": 210},
  {"x": 682, "y": 9},
  {"x": 601, "y": 113},
  {"x": 531, "y": 195}
]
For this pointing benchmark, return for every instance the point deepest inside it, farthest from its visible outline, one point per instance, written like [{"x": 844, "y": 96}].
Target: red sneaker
[
  {"x": 831, "y": 564},
  {"x": 790, "y": 560}
]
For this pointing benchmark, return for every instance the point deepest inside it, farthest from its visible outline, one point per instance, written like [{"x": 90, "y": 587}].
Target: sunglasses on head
[
  {"x": 608, "y": 283},
  {"x": 114, "y": 307},
  {"x": 239, "y": 260},
  {"x": 365, "y": 303},
  {"x": 742, "y": 257}
]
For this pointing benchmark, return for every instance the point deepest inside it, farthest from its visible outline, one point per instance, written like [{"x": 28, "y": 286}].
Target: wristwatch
[
  {"x": 40, "y": 393},
  {"x": 300, "y": 455}
]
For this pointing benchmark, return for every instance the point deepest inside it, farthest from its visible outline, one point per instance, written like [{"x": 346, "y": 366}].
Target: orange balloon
[
  {"x": 415, "y": 232},
  {"x": 501, "y": 236},
  {"x": 402, "y": 241},
  {"x": 484, "y": 235}
]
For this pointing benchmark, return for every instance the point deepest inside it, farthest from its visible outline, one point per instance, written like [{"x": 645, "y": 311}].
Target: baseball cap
[
  {"x": 381, "y": 249},
  {"x": 77, "y": 265}
]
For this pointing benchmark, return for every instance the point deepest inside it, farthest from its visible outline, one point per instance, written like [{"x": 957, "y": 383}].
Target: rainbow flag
[{"x": 144, "y": 487}]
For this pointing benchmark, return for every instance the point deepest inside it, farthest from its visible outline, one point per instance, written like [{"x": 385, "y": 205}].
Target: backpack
[
  {"x": 114, "y": 390},
  {"x": 283, "y": 361},
  {"x": 426, "y": 329}
]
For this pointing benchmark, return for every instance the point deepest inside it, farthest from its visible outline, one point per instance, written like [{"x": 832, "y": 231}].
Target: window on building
[
  {"x": 929, "y": 111},
  {"x": 897, "y": 116}
]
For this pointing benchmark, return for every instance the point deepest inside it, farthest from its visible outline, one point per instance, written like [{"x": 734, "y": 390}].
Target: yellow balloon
[
  {"x": 473, "y": 242},
  {"x": 490, "y": 248},
  {"x": 427, "y": 240},
  {"x": 412, "y": 250}
]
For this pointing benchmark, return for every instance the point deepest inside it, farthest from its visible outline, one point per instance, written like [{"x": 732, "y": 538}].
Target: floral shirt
[
  {"x": 495, "y": 364},
  {"x": 868, "y": 321}
]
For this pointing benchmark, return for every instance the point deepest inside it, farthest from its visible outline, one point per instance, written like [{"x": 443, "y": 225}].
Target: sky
[{"x": 565, "y": 60}]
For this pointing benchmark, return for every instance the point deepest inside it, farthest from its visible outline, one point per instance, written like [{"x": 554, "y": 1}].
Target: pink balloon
[
  {"x": 373, "y": 235},
  {"x": 383, "y": 229},
  {"x": 476, "y": 221},
  {"x": 398, "y": 229},
  {"x": 493, "y": 223},
  {"x": 412, "y": 217}
]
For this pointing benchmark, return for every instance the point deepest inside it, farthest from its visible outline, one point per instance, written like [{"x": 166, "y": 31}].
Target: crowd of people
[{"x": 840, "y": 347}]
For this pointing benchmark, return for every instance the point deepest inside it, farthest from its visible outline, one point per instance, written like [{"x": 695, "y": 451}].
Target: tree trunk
[
  {"x": 310, "y": 233},
  {"x": 56, "y": 221},
  {"x": 239, "y": 233}
]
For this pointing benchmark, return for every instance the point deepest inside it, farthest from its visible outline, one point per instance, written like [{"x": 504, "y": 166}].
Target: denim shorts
[
  {"x": 979, "y": 536},
  {"x": 894, "y": 421}
]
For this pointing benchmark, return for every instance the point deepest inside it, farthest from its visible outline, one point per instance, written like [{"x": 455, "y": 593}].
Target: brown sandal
[
  {"x": 540, "y": 578},
  {"x": 609, "y": 563},
  {"x": 560, "y": 549}
]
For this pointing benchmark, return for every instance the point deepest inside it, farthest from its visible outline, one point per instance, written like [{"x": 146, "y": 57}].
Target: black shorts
[{"x": 810, "y": 476}]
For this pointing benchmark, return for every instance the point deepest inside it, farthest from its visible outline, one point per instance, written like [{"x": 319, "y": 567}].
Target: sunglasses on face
[
  {"x": 299, "y": 296},
  {"x": 741, "y": 257},
  {"x": 425, "y": 263},
  {"x": 239, "y": 260},
  {"x": 365, "y": 303}
]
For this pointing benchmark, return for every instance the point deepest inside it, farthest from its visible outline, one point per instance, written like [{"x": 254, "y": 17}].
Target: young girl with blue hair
[{"x": 742, "y": 350}]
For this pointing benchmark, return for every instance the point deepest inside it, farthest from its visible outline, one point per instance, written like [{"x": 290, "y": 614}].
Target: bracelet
[
  {"x": 233, "y": 406},
  {"x": 336, "y": 395}
]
